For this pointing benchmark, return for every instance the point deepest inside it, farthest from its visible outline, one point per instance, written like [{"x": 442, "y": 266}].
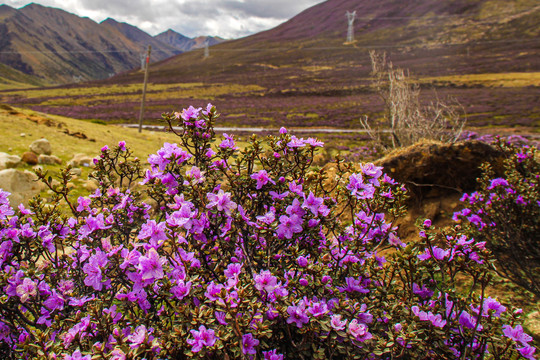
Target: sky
[{"x": 229, "y": 19}]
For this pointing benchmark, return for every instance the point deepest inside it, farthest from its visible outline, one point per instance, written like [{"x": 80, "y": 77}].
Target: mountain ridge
[{"x": 60, "y": 47}]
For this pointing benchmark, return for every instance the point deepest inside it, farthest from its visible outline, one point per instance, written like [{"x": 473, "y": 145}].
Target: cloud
[{"x": 225, "y": 18}]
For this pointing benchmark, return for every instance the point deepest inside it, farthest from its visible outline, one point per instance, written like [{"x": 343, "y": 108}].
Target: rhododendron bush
[{"x": 244, "y": 254}]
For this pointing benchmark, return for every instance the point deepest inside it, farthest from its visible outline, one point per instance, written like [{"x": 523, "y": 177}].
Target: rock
[
  {"x": 532, "y": 324},
  {"x": 91, "y": 185},
  {"x": 76, "y": 171},
  {"x": 81, "y": 160},
  {"x": 49, "y": 159},
  {"x": 30, "y": 158},
  {"x": 8, "y": 161},
  {"x": 41, "y": 146},
  {"x": 22, "y": 185},
  {"x": 23, "y": 134}
]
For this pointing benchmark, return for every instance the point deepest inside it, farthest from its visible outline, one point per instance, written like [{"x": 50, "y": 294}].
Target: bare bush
[{"x": 406, "y": 120}]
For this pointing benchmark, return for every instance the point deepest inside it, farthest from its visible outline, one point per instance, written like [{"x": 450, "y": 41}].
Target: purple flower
[
  {"x": 262, "y": 178},
  {"x": 80, "y": 302},
  {"x": 301, "y": 261},
  {"x": 469, "y": 321},
  {"x": 93, "y": 268},
  {"x": 213, "y": 291},
  {"x": 190, "y": 113},
  {"x": 248, "y": 344},
  {"x": 154, "y": 231},
  {"x": 289, "y": 226},
  {"x": 272, "y": 355},
  {"x": 313, "y": 203},
  {"x": 228, "y": 142},
  {"x": 338, "y": 324},
  {"x": 314, "y": 142},
  {"x": 222, "y": 201},
  {"x": 360, "y": 189},
  {"x": 208, "y": 110},
  {"x": 297, "y": 315},
  {"x": 181, "y": 290},
  {"x": 318, "y": 309},
  {"x": 138, "y": 337},
  {"x": 296, "y": 143},
  {"x": 497, "y": 182},
  {"x": 202, "y": 337},
  {"x": 265, "y": 281},
  {"x": 423, "y": 292},
  {"x": 516, "y": 334},
  {"x": 118, "y": 354},
  {"x": 26, "y": 289},
  {"x": 122, "y": 145},
  {"x": 527, "y": 352},
  {"x": 359, "y": 330},
  {"x": 77, "y": 356},
  {"x": 151, "y": 265}
]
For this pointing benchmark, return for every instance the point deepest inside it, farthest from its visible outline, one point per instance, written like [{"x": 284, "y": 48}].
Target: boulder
[
  {"x": 49, "y": 159},
  {"x": 91, "y": 185},
  {"x": 8, "y": 161},
  {"x": 22, "y": 185},
  {"x": 30, "y": 158},
  {"x": 41, "y": 146},
  {"x": 76, "y": 171},
  {"x": 81, "y": 160}
]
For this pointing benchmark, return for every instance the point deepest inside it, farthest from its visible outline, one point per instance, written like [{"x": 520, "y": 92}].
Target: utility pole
[
  {"x": 144, "y": 87},
  {"x": 350, "y": 32}
]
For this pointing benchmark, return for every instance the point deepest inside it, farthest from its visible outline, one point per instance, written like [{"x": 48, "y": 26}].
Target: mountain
[
  {"x": 429, "y": 37},
  {"x": 184, "y": 43},
  {"x": 60, "y": 47},
  {"x": 138, "y": 36},
  {"x": 483, "y": 53}
]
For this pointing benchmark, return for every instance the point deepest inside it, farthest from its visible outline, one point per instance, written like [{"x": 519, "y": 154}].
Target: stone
[
  {"x": 41, "y": 146},
  {"x": 91, "y": 185},
  {"x": 8, "y": 161},
  {"x": 81, "y": 160},
  {"x": 49, "y": 160},
  {"x": 76, "y": 171},
  {"x": 22, "y": 185},
  {"x": 30, "y": 158}
]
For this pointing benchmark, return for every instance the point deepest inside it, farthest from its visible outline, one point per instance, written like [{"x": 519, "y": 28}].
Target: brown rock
[
  {"x": 30, "y": 158},
  {"x": 49, "y": 159}
]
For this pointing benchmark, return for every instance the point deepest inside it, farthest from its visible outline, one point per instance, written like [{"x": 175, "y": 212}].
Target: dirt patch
[{"x": 434, "y": 170}]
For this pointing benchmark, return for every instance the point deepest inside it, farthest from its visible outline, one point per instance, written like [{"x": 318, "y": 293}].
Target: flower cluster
[
  {"x": 505, "y": 213},
  {"x": 248, "y": 253}
]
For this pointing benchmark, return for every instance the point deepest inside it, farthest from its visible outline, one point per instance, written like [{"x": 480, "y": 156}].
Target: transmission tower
[
  {"x": 206, "y": 49},
  {"x": 350, "y": 32}
]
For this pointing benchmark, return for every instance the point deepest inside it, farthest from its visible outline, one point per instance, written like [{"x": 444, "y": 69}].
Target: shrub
[
  {"x": 406, "y": 120},
  {"x": 247, "y": 254},
  {"x": 505, "y": 213}
]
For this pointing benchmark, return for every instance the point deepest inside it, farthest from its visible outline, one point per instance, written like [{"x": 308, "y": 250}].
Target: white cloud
[{"x": 225, "y": 18}]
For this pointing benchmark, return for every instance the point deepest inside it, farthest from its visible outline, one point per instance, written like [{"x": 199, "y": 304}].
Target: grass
[
  {"x": 512, "y": 79},
  {"x": 129, "y": 93}
]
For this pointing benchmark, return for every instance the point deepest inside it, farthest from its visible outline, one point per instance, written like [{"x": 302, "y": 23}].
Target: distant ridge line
[{"x": 357, "y": 47}]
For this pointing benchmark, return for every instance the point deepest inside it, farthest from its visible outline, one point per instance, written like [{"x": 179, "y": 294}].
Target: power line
[{"x": 358, "y": 46}]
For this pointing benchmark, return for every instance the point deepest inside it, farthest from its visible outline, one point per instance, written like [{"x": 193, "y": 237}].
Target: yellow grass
[{"x": 489, "y": 80}]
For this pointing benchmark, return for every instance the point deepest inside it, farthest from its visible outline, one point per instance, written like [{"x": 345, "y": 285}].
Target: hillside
[
  {"x": 484, "y": 53},
  {"x": 60, "y": 47}
]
